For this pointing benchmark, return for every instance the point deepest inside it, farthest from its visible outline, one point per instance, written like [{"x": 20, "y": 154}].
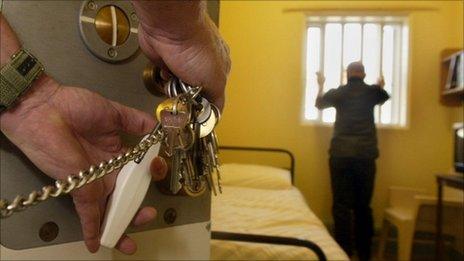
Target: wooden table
[{"x": 455, "y": 181}]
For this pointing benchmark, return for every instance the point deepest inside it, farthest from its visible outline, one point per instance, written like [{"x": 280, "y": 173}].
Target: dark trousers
[{"x": 352, "y": 181}]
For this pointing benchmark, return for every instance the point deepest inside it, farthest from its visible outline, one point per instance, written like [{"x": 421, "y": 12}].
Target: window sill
[{"x": 379, "y": 126}]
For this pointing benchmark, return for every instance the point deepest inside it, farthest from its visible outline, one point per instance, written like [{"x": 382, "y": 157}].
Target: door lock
[
  {"x": 109, "y": 29},
  {"x": 112, "y": 25},
  {"x": 153, "y": 81}
]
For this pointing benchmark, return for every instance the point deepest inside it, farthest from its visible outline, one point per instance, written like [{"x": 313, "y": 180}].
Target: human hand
[
  {"x": 320, "y": 79},
  {"x": 193, "y": 51},
  {"x": 381, "y": 81},
  {"x": 65, "y": 129}
]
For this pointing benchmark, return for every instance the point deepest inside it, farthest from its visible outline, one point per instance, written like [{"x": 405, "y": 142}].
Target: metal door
[{"x": 53, "y": 31}]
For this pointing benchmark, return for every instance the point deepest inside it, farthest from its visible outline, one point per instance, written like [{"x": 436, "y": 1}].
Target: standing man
[{"x": 353, "y": 151}]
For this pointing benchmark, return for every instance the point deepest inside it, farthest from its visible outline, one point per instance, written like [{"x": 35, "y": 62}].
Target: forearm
[
  {"x": 175, "y": 20},
  {"x": 320, "y": 94},
  {"x": 9, "y": 43},
  {"x": 37, "y": 94}
]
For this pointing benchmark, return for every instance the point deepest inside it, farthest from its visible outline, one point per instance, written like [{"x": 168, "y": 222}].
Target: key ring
[
  {"x": 217, "y": 112},
  {"x": 184, "y": 87}
]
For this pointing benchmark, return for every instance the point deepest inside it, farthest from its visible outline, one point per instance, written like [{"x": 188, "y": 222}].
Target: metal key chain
[
  {"x": 84, "y": 177},
  {"x": 184, "y": 93}
]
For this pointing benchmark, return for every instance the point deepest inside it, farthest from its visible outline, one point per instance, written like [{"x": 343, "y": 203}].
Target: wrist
[
  {"x": 40, "y": 90},
  {"x": 37, "y": 95}
]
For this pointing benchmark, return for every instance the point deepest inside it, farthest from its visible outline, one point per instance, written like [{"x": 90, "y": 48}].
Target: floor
[{"x": 423, "y": 248}]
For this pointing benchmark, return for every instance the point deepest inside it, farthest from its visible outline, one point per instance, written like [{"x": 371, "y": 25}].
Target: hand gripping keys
[
  {"x": 186, "y": 121},
  {"x": 184, "y": 134}
]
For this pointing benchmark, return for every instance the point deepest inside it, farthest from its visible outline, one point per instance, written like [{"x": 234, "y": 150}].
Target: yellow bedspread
[{"x": 282, "y": 212}]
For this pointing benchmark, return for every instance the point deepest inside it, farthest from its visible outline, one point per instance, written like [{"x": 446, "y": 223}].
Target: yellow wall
[{"x": 265, "y": 91}]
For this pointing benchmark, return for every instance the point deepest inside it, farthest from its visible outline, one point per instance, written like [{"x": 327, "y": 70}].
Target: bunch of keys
[
  {"x": 190, "y": 145},
  {"x": 184, "y": 135},
  {"x": 185, "y": 129}
]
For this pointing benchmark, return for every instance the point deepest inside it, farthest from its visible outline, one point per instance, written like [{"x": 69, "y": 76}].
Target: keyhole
[{"x": 112, "y": 25}]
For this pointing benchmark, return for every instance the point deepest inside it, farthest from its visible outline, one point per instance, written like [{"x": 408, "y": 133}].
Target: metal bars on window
[{"x": 381, "y": 46}]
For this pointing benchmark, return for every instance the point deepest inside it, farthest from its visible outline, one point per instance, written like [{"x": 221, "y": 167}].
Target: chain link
[{"x": 84, "y": 177}]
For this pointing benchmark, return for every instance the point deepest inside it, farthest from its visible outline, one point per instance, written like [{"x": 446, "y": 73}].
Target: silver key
[
  {"x": 188, "y": 121},
  {"x": 209, "y": 169},
  {"x": 208, "y": 126},
  {"x": 176, "y": 173},
  {"x": 214, "y": 151},
  {"x": 205, "y": 111}
]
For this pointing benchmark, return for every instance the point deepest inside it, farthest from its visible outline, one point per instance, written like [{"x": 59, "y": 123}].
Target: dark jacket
[{"x": 355, "y": 133}]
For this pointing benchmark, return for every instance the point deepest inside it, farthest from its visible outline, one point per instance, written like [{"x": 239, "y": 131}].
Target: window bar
[
  {"x": 379, "y": 112},
  {"x": 400, "y": 86},
  {"x": 362, "y": 41},
  {"x": 398, "y": 68},
  {"x": 321, "y": 61},
  {"x": 404, "y": 61},
  {"x": 341, "y": 59}
]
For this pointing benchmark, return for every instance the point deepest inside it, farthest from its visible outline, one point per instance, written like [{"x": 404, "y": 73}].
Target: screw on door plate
[
  {"x": 49, "y": 231},
  {"x": 112, "y": 53},
  {"x": 170, "y": 216},
  {"x": 91, "y": 5}
]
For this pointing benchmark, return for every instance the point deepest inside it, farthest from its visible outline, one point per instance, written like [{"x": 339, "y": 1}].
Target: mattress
[{"x": 267, "y": 211}]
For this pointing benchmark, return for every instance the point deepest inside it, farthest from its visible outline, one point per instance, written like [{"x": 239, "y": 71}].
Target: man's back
[{"x": 354, "y": 133}]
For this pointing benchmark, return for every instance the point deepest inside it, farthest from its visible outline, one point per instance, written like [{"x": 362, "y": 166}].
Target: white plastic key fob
[{"x": 129, "y": 191}]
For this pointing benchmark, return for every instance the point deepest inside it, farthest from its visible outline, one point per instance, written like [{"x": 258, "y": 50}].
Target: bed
[{"x": 261, "y": 216}]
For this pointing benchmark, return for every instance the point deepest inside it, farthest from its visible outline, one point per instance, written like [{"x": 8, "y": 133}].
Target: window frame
[{"x": 320, "y": 20}]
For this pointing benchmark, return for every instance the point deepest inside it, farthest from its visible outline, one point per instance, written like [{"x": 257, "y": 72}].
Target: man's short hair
[{"x": 355, "y": 67}]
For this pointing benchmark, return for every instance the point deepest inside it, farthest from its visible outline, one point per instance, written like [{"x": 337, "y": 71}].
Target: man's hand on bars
[
  {"x": 320, "y": 82},
  {"x": 381, "y": 82},
  {"x": 320, "y": 79},
  {"x": 179, "y": 36}
]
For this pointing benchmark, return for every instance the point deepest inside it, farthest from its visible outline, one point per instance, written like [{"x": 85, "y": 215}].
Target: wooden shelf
[{"x": 451, "y": 75}]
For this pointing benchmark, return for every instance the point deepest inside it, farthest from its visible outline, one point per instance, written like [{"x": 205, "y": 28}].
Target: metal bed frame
[{"x": 275, "y": 240}]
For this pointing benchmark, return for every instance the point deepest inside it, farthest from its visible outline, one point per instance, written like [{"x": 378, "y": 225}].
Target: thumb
[{"x": 133, "y": 121}]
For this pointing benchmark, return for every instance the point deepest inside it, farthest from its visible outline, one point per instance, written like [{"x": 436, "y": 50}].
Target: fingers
[
  {"x": 165, "y": 74},
  {"x": 126, "y": 245},
  {"x": 220, "y": 102},
  {"x": 144, "y": 216},
  {"x": 158, "y": 168},
  {"x": 320, "y": 78},
  {"x": 381, "y": 81},
  {"x": 133, "y": 121},
  {"x": 88, "y": 209}
]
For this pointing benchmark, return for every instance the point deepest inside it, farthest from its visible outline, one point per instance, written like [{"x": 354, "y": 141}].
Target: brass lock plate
[{"x": 109, "y": 29}]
